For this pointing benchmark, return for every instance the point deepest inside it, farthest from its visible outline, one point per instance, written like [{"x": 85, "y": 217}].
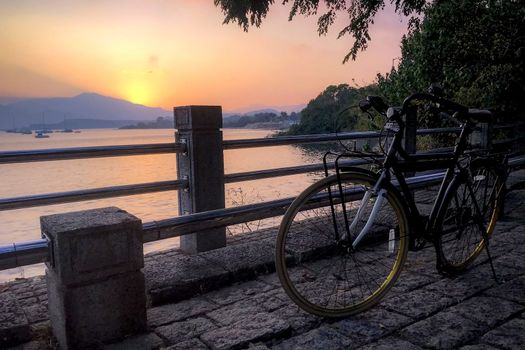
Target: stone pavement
[{"x": 230, "y": 299}]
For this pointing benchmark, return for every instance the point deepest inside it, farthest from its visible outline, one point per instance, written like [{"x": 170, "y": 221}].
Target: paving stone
[
  {"x": 299, "y": 320},
  {"x": 273, "y": 300},
  {"x": 244, "y": 261},
  {"x": 147, "y": 341},
  {"x": 185, "y": 330},
  {"x": 37, "y": 312},
  {"x": 462, "y": 287},
  {"x": 487, "y": 311},
  {"x": 513, "y": 231},
  {"x": 513, "y": 260},
  {"x": 192, "y": 344},
  {"x": 254, "y": 235},
  {"x": 510, "y": 335},
  {"x": 418, "y": 303},
  {"x": 371, "y": 325},
  {"x": 445, "y": 330},
  {"x": 260, "y": 327},
  {"x": 24, "y": 295},
  {"x": 172, "y": 279},
  {"x": 478, "y": 347},
  {"x": 319, "y": 338},
  {"x": 233, "y": 313},
  {"x": 391, "y": 343},
  {"x": 238, "y": 292},
  {"x": 270, "y": 278},
  {"x": 14, "y": 326},
  {"x": 164, "y": 314},
  {"x": 28, "y": 301},
  {"x": 33, "y": 345},
  {"x": 408, "y": 281},
  {"x": 295, "y": 273},
  {"x": 41, "y": 330},
  {"x": 504, "y": 273},
  {"x": 258, "y": 346}
]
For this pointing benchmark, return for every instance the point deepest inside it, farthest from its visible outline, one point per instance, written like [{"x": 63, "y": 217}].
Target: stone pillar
[
  {"x": 482, "y": 136},
  {"x": 410, "y": 137},
  {"x": 203, "y": 166},
  {"x": 96, "y": 288}
]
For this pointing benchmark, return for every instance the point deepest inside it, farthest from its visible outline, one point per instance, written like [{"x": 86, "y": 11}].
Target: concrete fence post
[
  {"x": 199, "y": 127},
  {"x": 482, "y": 136},
  {"x": 410, "y": 137},
  {"x": 95, "y": 285}
]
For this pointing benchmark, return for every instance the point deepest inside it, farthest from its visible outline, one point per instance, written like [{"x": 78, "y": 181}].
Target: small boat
[
  {"x": 41, "y": 135},
  {"x": 26, "y": 132},
  {"x": 77, "y": 131}
]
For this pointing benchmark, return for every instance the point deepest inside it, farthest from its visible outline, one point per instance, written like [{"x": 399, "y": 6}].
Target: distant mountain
[
  {"x": 86, "y": 106},
  {"x": 91, "y": 110}
]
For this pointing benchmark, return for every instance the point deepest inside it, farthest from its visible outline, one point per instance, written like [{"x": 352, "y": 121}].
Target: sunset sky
[{"x": 177, "y": 52}]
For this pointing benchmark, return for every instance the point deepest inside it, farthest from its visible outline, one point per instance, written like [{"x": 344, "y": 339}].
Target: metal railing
[{"x": 25, "y": 253}]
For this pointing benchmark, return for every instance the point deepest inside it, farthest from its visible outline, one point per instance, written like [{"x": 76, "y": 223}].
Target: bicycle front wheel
[
  {"x": 317, "y": 263},
  {"x": 470, "y": 206}
]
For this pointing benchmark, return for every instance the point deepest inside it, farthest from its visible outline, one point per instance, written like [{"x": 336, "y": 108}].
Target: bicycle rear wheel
[
  {"x": 316, "y": 264},
  {"x": 459, "y": 238}
]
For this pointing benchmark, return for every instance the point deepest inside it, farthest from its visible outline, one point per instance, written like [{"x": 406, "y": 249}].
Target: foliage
[
  {"x": 329, "y": 111},
  {"x": 241, "y": 121},
  {"x": 474, "y": 49},
  {"x": 360, "y": 15}
]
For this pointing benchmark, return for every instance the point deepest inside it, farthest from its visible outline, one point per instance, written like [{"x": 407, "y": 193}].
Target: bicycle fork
[
  {"x": 360, "y": 212},
  {"x": 376, "y": 190}
]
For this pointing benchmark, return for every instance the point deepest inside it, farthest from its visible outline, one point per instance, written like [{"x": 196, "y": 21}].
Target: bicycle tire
[
  {"x": 307, "y": 250},
  {"x": 459, "y": 239}
]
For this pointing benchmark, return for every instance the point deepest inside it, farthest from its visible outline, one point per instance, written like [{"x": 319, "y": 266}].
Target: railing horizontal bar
[
  {"x": 438, "y": 131},
  {"x": 21, "y": 254},
  {"x": 183, "y": 225},
  {"x": 517, "y": 162},
  {"x": 89, "y": 194},
  {"x": 53, "y": 154},
  {"x": 300, "y": 169},
  {"x": 290, "y": 140},
  {"x": 506, "y": 126},
  {"x": 40, "y": 155},
  {"x": 503, "y": 141}
]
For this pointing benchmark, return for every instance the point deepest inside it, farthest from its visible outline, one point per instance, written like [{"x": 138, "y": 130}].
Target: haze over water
[{"x": 58, "y": 176}]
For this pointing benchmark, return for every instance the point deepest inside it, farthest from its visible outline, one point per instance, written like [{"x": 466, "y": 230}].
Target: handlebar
[
  {"x": 379, "y": 105},
  {"x": 418, "y": 96}
]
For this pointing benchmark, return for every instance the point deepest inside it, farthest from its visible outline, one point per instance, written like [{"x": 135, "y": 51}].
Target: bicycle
[{"x": 343, "y": 241}]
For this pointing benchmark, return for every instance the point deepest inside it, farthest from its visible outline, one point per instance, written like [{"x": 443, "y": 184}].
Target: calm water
[{"x": 45, "y": 177}]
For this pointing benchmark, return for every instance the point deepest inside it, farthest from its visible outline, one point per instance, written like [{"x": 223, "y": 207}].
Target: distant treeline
[
  {"x": 159, "y": 123},
  {"x": 330, "y": 111},
  {"x": 241, "y": 121}
]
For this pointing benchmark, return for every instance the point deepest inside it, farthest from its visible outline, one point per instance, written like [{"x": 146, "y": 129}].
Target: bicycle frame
[{"x": 397, "y": 161}]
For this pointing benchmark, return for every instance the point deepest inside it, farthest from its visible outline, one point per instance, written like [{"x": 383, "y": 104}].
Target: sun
[{"x": 137, "y": 93}]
